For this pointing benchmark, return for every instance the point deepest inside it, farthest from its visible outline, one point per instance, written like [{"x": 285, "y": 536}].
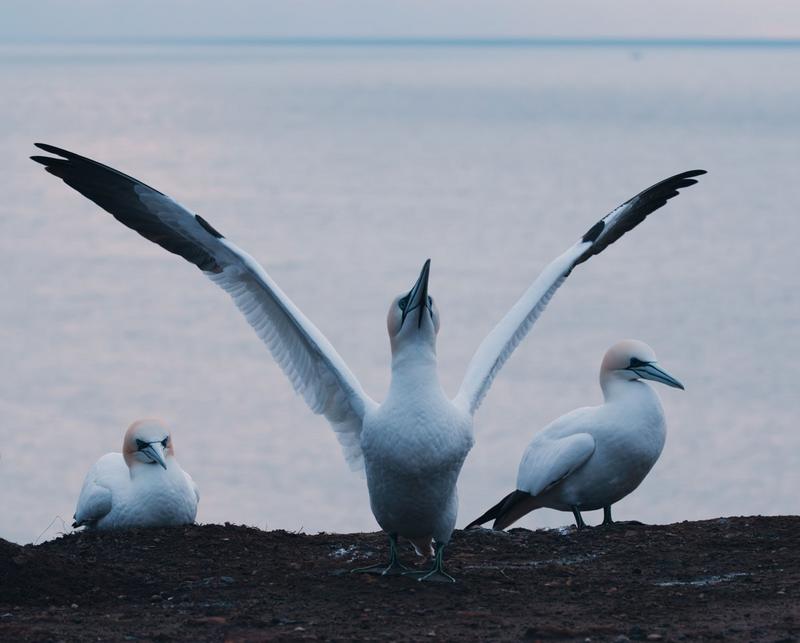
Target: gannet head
[
  {"x": 413, "y": 316},
  {"x": 147, "y": 442},
  {"x": 630, "y": 360}
]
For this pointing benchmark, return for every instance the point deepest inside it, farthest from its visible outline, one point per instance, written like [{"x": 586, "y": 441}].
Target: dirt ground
[{"x": 731, "y": 578}]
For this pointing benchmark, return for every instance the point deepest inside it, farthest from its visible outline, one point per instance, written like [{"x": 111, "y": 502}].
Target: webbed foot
[
  {"x": 436, "y": 574},
  {"x": 394, "y": 568}
]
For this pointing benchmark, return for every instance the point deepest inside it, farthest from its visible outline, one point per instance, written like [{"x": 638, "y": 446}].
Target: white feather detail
[
  {"x": 307, "y": 359},
  {"x": 95, "y": 498},
  {"x": 548, "y": 461},
  {"x": 498, "y": 345}
]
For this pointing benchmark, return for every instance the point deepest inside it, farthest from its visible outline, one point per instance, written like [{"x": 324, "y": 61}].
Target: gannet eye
[
  {"x": 141, "y": 444},
  {"x": 164, "y": 442},
  {"x": 430, "y": 301},
  {"x": 636, "y": 363},
  {"x": 403, "y": 302}
]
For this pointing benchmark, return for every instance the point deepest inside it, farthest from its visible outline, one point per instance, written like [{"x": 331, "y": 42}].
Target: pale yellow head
[
  {"x": 147, "y": 441},
  {"x": 631, "y": 359}
]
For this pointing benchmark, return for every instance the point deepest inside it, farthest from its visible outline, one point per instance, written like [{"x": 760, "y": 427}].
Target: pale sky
[{"x": 88, "y": 19}]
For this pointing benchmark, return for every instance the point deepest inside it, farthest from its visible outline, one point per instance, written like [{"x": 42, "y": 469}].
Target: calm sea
[{"x": 342, "y": 168}]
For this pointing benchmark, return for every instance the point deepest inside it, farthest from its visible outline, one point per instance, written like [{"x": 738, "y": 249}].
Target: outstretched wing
[
  {"x": 312, "y": 365},
  {"x": 498, "y": 345}
]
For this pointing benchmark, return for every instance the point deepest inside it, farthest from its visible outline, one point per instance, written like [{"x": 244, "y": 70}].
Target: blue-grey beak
[
  {"x": 155, "y": 452},
  {"x": 418, "y": 296},
  {"x": 650, "y": 371}
]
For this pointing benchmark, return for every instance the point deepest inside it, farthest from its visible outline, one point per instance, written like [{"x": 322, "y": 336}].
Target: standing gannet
[
  {"x": 144, "y": 486},
  {"x": 413, "y": 445},
  {"x": 594, "y": 456}
]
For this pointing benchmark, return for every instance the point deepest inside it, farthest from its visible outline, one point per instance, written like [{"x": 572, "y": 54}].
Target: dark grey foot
[
  {"x": 436, "y": 574},
  {"x": 394, "y": 568},
  {"x": 578, "y": 519},
  {"x": 608, "y": 521},
  {"x": 382, "y": 569}
]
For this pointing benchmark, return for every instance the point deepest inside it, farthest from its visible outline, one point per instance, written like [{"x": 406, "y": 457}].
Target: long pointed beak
[
  {"x": 652, "y": 372},
  {"x": 418, "y": 295},
  {"x": 156, "y": 453}
]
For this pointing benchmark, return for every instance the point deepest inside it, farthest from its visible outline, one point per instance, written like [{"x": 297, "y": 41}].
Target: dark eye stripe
[
  {"x": 403, "y": 302},
  {"x": 636, "y": 363}
]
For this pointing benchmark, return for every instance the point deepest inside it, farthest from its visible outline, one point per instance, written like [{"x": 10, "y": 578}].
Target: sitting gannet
[
  {"x": 144, "y": 486},
  {"x": 594, "y": 456},
  {"x": 412, "y": 445}
]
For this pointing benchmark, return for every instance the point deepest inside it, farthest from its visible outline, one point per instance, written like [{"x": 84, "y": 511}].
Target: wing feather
[
  {"x": 313, "y": 367},
  {"x": 96, "y": 497},
  {"x": 500, "y": 343},
  {"x": 547, "y": 462}
]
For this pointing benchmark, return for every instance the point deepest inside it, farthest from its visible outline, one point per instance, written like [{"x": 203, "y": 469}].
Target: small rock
[{"x": 74, "y": 606}]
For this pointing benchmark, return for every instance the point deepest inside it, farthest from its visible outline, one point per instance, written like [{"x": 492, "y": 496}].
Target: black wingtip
[
  {"x": 606, "y": 231},
  {"x": 208, "y": 227},
  {"x": 52, "y": 149},
  {"x": 121, "y": 196},
  {"x": 594, "y": 231}
]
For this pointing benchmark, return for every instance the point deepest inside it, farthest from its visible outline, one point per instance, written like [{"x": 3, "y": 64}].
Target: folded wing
[
  {"x": 312, "y": 365},
  {"x": 498, "y": 345},
  {"x": 547, "y": 462},
  {"x": 95, "y": 499}
]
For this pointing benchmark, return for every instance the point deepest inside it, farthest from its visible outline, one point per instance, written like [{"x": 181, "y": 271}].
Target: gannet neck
[
  {"x": 616, "y": 385},
  {"x": 417, "y": 357}
]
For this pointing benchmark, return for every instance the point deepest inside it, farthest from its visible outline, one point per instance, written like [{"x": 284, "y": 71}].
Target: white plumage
[
  {"x": 593, "y": 457},
  {"x": 144, "y": 486},
  {"x": 413, "y": 445}
]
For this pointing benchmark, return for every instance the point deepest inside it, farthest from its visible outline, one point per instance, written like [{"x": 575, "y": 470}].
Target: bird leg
[
  {"x": 578, "y": 518},
  {"x": 394, "y": 567},
  {"x": 436, "y": 573}
]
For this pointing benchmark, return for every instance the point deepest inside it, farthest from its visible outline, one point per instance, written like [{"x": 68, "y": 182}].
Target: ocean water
[{"x": 343, "y": 168}]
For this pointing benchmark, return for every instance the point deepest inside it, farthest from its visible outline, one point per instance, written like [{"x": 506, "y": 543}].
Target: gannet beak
[
  {"x": 156, "y": 453},
  {"x": 650, "y": 371},
  {"x": 418, "y": 295}
]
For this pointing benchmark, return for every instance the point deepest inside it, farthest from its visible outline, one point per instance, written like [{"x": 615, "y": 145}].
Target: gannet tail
[{"x": 508, "y": 510}]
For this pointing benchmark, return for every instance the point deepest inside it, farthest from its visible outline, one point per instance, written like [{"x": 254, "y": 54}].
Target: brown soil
[{"x": 733, "y": 578}]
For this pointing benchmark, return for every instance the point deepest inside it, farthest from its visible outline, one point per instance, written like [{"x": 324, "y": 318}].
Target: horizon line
[{"x": 419, "y": 41}]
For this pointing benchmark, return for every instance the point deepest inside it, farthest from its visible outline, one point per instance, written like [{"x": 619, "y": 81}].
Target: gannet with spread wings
[{"x": 413, "y": 445}]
